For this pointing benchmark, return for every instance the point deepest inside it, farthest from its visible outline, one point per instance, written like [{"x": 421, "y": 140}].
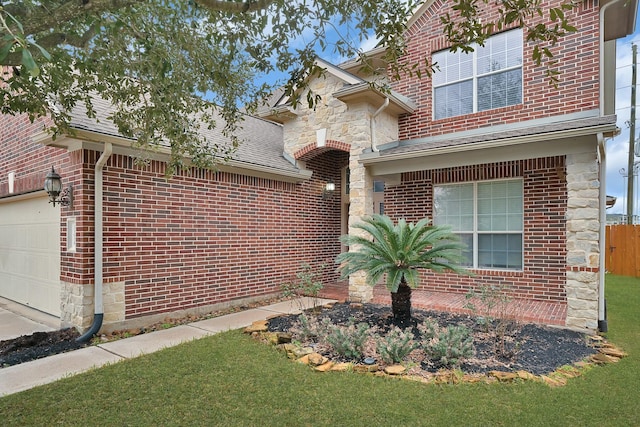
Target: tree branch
[{"x": 235, "y": 7}]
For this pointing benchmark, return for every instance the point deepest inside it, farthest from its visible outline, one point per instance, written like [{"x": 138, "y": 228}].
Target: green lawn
[{"x": 229, "y": 379}]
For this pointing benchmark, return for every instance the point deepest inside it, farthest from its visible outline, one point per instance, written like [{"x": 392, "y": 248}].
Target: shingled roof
[
  {"x": 448, "y": 140},
  {"x": 262, "y": 141}
]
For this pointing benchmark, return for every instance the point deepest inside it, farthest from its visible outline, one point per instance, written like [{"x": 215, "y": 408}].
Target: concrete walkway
[
  {"x": 49, "y": 369},
  {"x": 17, "y": 320}
]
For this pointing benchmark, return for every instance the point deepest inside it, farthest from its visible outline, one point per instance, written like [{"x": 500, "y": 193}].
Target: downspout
[
  {"x": 98, "y": 306},
  {"x": 602, "y": 307},
  {"x": 372, "y": 123}
]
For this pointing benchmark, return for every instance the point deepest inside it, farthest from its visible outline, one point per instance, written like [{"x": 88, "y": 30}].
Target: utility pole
[{"x": 632, "y": 139}]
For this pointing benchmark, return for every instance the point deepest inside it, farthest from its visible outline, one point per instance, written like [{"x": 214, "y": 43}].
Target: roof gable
[{"x": 329, "y": 68}]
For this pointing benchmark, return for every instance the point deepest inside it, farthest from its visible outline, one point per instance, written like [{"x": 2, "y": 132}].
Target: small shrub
[
  {"x": 428, "y": 329},
  {"x": 395, "y": 346},
  {"x": 347, "y": 341},
  {"x": 307, "y": 329},
  {"x": 305, "y": 285},
  {"x": 448, "y": 346},
  {"x": 495, "y": 310}
]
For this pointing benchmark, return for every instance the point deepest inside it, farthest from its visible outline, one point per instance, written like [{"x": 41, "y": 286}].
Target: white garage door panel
[{"x": 30, "y": 254}]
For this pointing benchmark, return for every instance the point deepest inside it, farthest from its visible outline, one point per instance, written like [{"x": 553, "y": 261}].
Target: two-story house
[{"x": 486, "y": 145}]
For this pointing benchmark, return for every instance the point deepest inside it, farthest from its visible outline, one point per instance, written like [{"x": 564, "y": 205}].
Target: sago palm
[{"x": 399, "y": 251}]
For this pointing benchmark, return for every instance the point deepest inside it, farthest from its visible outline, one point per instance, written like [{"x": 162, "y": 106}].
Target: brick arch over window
[{"x": 312, "y": 150}]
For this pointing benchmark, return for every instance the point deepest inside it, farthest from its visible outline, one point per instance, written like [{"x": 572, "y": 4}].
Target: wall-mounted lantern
[
  {"x": 328, "y": 190},
  {"x": 53, "y": 187}
]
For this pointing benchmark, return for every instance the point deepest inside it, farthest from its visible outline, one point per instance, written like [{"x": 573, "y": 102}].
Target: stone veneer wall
[
  {"x": 349, "y": 125},
  {"x": 77, "y": 304},
  {"x": 330, "y": 115},
  {"x": 583, "y": 234}
]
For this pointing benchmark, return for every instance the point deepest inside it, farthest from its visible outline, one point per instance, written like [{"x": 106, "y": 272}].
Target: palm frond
[{"x": 399, "y": 250}]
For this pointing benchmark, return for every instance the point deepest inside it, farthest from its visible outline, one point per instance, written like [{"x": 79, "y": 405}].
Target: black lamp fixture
[
  {"x": 328, "y": 189},
  {"x": 53, "y": 187}
]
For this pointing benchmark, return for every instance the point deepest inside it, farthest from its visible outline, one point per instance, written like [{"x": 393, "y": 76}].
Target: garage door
[{"x": 30, "y": 253}]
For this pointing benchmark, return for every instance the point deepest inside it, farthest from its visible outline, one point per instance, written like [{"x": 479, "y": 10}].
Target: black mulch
[
  {"x": 38, "y": 345},
  {"x": 533, "y": 348}
]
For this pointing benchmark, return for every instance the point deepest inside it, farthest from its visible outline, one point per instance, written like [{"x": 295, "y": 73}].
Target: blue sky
[{"x": 618, "y": 148}]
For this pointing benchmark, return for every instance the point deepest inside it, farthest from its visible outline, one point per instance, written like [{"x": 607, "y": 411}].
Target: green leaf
[
  {"x": 43, "y": 51},
  {"x": 29, "y": 64},
  {"x": 13, "y": 18},
  {"x": 4, "y": 50}
]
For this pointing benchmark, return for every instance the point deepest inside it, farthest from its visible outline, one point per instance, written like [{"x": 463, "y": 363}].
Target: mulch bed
[{"x": 533, "y": 348}]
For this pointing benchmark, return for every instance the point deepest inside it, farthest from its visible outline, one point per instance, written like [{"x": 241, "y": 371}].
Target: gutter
[
  {"x": 372, "y": 123},
  {"x": 98, "y": 305}
]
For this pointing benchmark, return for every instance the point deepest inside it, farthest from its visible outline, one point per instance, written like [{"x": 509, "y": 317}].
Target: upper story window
[{"x": 489, "y": 77}]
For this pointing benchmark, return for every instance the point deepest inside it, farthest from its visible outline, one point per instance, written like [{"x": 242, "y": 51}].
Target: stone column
[
  {"x": 361, "y": 205},
  {"x": 583, "y": 235},
  {"x": 361, "y": 183}
]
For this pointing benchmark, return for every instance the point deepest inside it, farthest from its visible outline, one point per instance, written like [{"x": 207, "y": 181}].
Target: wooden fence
[{"x": 622, "y": 250}]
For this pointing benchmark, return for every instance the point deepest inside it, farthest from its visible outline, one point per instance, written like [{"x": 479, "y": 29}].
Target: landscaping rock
[
  {"x": 258, "y": 326},
  {"x": 304, "y": 359},
  {"x": 316, "y": 359},
  {"x": 395, "y": 370},
  {"x": 504, "y": 376},
  {"x": 366, "y": 368},
  {"x": 447, "y": 377},
  {"x": 528, "y": 376},
  {"x": 298, "y": 352},
  {"x": 473, "y": 378},
  {"x": 601, "y": 359},
  {"x": 613, "y": 351},
  {"x": 569, "y": 372},
  {"x": 342, "y": 367},
  {"x": 324, "y": 367},
  {"x": 283, "y": 337}
]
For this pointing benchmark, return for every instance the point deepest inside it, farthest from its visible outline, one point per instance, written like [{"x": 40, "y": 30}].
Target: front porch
[{"x": 528, "y": 311}]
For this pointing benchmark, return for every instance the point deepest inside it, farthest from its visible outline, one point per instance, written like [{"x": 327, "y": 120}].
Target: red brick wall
[
  {"x": 545, "y": 205},
  {"x": 203, "y": 237},
  {"x": 28, "y": 160},
  {"x": 577, "y": 90}
]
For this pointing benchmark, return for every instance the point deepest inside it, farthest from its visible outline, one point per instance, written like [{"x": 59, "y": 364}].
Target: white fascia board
[
  {"x": 346, "y": 76},
  {"x": 406, "y": 104}
]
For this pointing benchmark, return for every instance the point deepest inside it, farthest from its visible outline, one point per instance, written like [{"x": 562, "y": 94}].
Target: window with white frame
[
  {"x": 488, "y": 217},
  {"x": 489, "y": 77}
]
